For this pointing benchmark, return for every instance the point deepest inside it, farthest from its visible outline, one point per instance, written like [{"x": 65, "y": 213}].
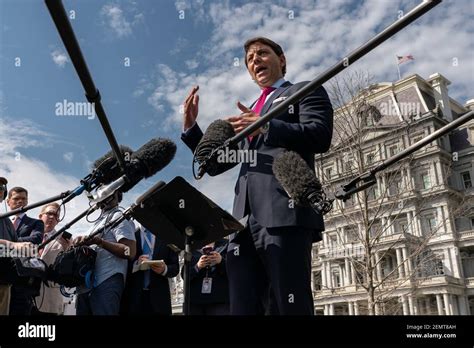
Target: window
[
  {"x": 429, "y": 225},
  {"x": 328, "y": 173},
  {"x": 347, "y": 165},
  {"x": 416, "y": 138},
  {"x": 395, "y": 184},
  {"x": 317, "y": 281},
  {"x": 352, "y": 234},
  {"x": 439, "y": 265},
  {"x": 372, "y": 193},
  {"x": 392, "y": 150},
  {"x": 466, "y": 179},
  {"x": 401, "y": 226},
  {"x": 332, "y": 239},
  {"x": 336, "y": 278},
  {"x": 426, "y": 181},
  {"x": 370, "y": 158},
  {"x": 472, "y": 223}
]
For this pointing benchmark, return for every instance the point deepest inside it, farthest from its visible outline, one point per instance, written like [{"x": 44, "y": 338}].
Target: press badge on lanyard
[{"x": 206, "y": 285}]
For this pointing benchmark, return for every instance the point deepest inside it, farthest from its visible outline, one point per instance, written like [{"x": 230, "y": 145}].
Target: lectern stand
[{"x": 185, "y": 219}]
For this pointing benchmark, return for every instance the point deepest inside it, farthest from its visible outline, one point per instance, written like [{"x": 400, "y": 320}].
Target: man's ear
[{"x": 282, "y": 61}]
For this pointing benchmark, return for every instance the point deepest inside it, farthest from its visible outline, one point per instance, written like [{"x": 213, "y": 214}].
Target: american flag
[{"x": 403, "y": 59}]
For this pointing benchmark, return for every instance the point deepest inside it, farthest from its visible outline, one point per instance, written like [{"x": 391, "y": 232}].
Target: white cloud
[
  {"x": 36, "y": 176},
  {"x": 116, "y": 19},
  {"x": 192, "y": 64},
  {"x": 59, "y": 58},
  {"x": 68, "y": 157}
]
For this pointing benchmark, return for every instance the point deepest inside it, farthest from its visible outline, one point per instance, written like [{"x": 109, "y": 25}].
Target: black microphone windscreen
[
  {"x": 108, "y": 165},
  {"x": 218, "y": 131},
  {"x": 216, "y": 135},
  {"x": 295, "y": 175},
  {"x": 155, "y": 155}
]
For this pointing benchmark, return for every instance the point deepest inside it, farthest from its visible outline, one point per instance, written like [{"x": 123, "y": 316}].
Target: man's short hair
[
  {"x": 17, "y": 189},
  {"x": 263, "y": 40},
  {"x": 54, "y": 204}
]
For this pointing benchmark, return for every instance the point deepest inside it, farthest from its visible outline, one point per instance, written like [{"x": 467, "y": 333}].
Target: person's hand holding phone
[{"x": 215, "y": 258}]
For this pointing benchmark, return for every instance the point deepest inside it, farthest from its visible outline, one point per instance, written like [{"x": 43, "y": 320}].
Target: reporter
[
  {"x": 50, "y": 300},
  {"x": 209, "y": 283},
  {"x": 114, "y": 248},
  {"x": 148, "y": 291}
]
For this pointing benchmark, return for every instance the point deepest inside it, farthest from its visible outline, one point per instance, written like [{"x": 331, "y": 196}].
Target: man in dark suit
[
  {"x": 148, "y": 291},
  {"x": 27, "y": 230},
  {"x": 269, "y": 262}
]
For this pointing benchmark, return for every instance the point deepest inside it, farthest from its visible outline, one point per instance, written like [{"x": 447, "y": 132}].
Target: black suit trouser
[{"x": 269, "y": 271}]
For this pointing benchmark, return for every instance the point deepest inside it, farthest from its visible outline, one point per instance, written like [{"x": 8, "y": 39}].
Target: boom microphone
[
  {"x": 145, "y": 162},
  {"x": 300, "y": 182},
  {"x": 106, "y": 169},
  {"x": 206, "y": 152}
]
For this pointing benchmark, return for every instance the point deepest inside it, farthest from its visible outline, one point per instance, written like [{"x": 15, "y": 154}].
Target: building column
[
  {"x": 353, "y": 273},
  {"x": 383, "y": 221},
  {"x": 454, "y": 261},
  {"x": 377, "y": 308},
  {"x": 427, "y": 305},
  {"x": 350, "y": 306},
  {"x": 407, "y": 268},
  {"x": 378, "y": 268},
  {"x": 410, "y": 305},
  {"x": 326, "y": 309},
  {"x": 400, "y": 266},
  {"x": 447, "y": 304},
  {"x": 447, "y": 265},
  {"x": 439, "y": 304},
  {"x": 324, "y": 283},
  {"x": 433, "y": 175},
  {"x": 404, "y": 305},
  {"x": 356, "y": 308},
  {"x": 329, "y": 276},
  {"x": 454, "y": 302},
  {"x": 347, "y": 272},
  {"x": 448, "y": 220},
  {"x": 463, "y": 305},
  {"x": 331, "y": 309},
  {"x": 440, "y": 173}
]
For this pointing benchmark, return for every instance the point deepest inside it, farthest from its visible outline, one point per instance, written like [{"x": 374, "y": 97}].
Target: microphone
[
  {"x": 145, "y": 162},
  {"x": 106, "y": 169},
  {"x": 211, "y": 143},
  {"x": 300, "y": 182}
]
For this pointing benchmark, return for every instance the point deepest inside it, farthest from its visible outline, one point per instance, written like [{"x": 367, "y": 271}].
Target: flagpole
[{"x": 398, "y": 68}]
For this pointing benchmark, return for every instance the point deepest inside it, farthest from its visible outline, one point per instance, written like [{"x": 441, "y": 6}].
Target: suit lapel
[
  {"x": 22, "y": 226},
  {"x": 275, "y": 95},
  {"x": 268, "y": 104}
]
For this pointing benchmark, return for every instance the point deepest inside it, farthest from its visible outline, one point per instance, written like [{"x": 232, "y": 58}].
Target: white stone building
[{"x": 429, "y": 189}]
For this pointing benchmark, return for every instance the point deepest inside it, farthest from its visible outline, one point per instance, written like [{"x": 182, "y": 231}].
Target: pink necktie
[
  {"x": 261, "y": 101},
  {"x": 16, "y": 222}
]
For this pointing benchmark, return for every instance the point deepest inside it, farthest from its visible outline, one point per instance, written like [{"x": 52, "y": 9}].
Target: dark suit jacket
[
  {"x": 220, "y": 283},
  {"x": 160, "y": 296},
  {"x": 30, "y": 230},
  {"x": 306, "y": 129},
  {"x": 7, "y": 232}
]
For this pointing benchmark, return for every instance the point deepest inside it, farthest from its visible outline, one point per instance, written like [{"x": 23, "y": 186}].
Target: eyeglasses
[{"x": 51, "y": 214}]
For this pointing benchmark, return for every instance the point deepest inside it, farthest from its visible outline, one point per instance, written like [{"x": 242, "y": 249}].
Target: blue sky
[{"x": 168, "y": 54}]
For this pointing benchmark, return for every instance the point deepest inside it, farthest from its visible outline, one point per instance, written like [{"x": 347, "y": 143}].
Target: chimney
[{"x": 440, "y": 89}]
